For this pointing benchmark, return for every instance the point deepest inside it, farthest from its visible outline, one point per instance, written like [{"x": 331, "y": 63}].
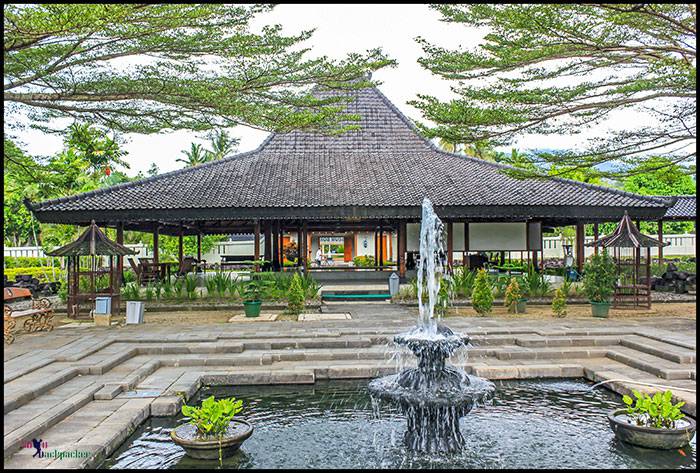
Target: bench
[{"x": 41, "y": 313}]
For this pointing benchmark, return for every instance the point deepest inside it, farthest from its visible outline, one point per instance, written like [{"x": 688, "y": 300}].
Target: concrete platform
[{"x": 88, "y": 388}]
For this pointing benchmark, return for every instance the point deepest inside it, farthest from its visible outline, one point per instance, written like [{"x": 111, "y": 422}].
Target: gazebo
[
  {"x": 363, "y": 187},
  {"x": 85, "y": 258},
  {"x": 634, "y": 269}
]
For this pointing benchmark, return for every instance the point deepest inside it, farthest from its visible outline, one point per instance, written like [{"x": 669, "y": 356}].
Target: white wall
[{"x": 497, "y": 236}]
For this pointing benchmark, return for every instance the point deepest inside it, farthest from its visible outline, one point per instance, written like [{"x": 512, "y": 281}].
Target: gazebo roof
[
  {"x": 683, "y": 209},
  {"x": 382, "y": 170},
  {"x": 92, "y": 242},
  {"x": 626, "y": 235}
]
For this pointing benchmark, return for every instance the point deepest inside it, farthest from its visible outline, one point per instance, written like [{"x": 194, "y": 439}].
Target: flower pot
[
  {"x": 651, "y": 437},
  {"x": 518, "y": 307},
  {"x": 252, "y": 308},
  {"x": 208, "y": 449},
  {"x": 600, "y": 309}
]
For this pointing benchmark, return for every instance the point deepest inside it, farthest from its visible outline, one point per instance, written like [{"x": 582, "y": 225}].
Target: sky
[{"x": 340, "y": 29}]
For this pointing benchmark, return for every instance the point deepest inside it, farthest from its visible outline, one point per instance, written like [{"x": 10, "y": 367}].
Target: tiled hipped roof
[
  {"x": 683, "y": 209},
  {"x": 384, "y": 169}
]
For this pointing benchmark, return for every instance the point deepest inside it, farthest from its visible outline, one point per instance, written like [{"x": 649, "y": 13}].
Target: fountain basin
[{"x": 208, "y": 449}]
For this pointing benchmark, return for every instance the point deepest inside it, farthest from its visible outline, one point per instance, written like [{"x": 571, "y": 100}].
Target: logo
[{"x": 40, "y": 445}]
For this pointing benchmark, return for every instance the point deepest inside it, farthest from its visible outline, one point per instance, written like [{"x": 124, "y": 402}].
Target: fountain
[{"x": 432, "y": 396}]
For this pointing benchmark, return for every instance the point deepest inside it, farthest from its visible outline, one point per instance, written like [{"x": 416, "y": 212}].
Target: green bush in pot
[{"x": 600, "y": 277}]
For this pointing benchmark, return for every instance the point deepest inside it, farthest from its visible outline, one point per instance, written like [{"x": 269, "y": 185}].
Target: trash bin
[
  {"x": 103, "y": 305},
  {"x": 393, "y": 284},
  {"x": 134, "y": 312}
]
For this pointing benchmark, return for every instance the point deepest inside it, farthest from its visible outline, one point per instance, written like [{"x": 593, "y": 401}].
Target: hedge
[{"x": 42, "y": 273}]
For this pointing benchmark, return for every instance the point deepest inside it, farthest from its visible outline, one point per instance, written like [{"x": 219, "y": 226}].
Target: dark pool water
[{"x": 531, "y": 424}]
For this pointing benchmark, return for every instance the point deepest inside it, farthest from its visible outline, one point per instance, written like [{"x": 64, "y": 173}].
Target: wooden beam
[
  {"x": 180, "y": 252},
  {"x": 120, "y": 259},
  {"x": 156, "y": 230},
  {"x": 661, "y": 242},
  {"x": 450, "y": 245},
  {"x": 402, "y": 249},
  {"x": 268, "y": 243},
  {"x": 580, "y": 238},
  {"x": 256, "y": 243},
  {"x": 595, "y": 237},
  {"x": 276, "y": 246}
]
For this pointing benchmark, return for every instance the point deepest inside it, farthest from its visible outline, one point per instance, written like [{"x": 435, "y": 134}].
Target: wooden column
[
  {"x": 156, "y": 230},
  {"x": 661, "y": 242},
  {"x": 305, "y": 254},
  {"x": 402, "y": 250},
  {"x": 450, "y": 246},
  {"x": 466, "y": 245},
  {"x": 595, "y": 237},
  {"x": 180, "y": 252},
  {"x": 199, "y": 247},
  {"x": 376, "y": 247},
  {"x": 580, "y": 239},
  {"x": 276, "y": 247},
  {"x": 300, "y": 245},
  {"x": 381, "y": 247},
  {"x": 256, "y": 249},
  {"x": 534, "y": 259},
  {"x": 120, "y": 259},
  {"x": 268, "y": 244}
]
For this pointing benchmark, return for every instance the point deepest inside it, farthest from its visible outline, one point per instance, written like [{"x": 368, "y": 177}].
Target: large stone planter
[
  {"x": 237, "y": 433},
  {"x": 651, "y": 437},
  {"x": 600, "y": 309}
]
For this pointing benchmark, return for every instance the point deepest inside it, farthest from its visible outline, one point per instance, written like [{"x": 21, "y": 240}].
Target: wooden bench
[{"x": 40, "y": 314}]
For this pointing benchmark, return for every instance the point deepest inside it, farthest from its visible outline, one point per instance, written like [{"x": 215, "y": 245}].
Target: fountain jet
[{"x": 432, "y": 396}]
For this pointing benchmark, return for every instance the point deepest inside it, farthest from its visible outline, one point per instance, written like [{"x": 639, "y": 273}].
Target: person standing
[{"x": 319, "y": 256}]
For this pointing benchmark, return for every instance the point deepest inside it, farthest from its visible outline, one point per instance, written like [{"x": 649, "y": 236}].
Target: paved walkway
[{"x": 88, "y": 388}]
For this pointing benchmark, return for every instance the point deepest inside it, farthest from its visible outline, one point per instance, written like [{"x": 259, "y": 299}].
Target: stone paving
[{"x": 88, "y": 388}]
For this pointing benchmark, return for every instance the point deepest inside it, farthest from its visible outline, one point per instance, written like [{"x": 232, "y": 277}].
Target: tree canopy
[
  {"x": 561, "y": 68},
  {"x": 148, "y": 67}
]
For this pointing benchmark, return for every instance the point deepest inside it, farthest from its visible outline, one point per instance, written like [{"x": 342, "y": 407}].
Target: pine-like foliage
[
  {"x": 295, "y": 296},
  {"x": 482, "y": 297}
]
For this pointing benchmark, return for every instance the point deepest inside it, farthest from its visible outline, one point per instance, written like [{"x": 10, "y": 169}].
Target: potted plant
[
  {"x": 599, "y": 282},
  {"x": 514, "y": 300},
  {"x": 652, "y": 421},
  {"x": 253, "y": 290},
  {"x": 212, "y": 432}
]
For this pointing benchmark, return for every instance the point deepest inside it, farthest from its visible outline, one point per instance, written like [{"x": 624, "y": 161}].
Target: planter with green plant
[
  {"x": 600, "y": 277},
  {"x": 513, "y": 299},
  {"x": 253, "y": 291},
  {"x": 212, "y": 432},
  {"x": 482, "y": 295},
  {"x": 652, "y": 421}
]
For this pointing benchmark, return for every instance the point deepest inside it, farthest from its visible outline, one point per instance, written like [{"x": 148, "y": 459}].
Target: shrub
[
  {"x": 30, "y": 262},
  {"x": 191, "y": 286},
  {"x": 221, "y": 282},
  {"x": 167, "y": 288},
  {"x": 512, "y": 295},
  {"x": 445, "y": 295},
  {"x": 149, "y": 292},
  {"x": 559, "y": 303},
  {"x": 63, "y": 293},
  {"x": 211, "y": 286},
  {"x": 654, "y": 411},
  {"x": 42, "y": 273},
  {"x": 600, "y": 277},
  {"x": 129, "y": 276},
  {"x": 179, "y": 288},
  {"x": 482, "y": 297},
  {"x": 295, "y": 296},
  {"x": 364, "y": 261},
  {"x": 463, "y": 281},
  {"x": 131, "y": 291},
  {"x": 535, "y": 284}
]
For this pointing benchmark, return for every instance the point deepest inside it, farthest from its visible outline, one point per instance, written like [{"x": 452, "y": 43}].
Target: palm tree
[
  {"x": 196, "y": 155},
  {"x": 222, "y": 145}
]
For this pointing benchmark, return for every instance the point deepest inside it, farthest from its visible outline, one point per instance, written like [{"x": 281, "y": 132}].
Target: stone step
[
  {"x": 651, "y": 364},
  {"x": 576, "y": 341},
  {"x": 550, "y": 353},
  {"x": 13, "y": 440},
  {"x": 659, "y": 349},
  {"x": 34, "y": 390}
]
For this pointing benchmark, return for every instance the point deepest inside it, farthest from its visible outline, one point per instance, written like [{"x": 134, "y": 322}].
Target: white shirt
[{"x": 318, "y": 254}]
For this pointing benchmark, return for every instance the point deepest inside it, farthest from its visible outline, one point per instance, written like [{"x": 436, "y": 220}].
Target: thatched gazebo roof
[
  {"x": 627, "y": 235},
  {"x": 92, "y": 242}
]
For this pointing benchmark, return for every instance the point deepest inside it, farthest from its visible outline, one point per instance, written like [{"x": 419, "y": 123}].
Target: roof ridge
[{"x": 123, "y": 185}]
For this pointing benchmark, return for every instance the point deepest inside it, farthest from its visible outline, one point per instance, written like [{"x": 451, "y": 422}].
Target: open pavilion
[{"x": 369, "y": 181}]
